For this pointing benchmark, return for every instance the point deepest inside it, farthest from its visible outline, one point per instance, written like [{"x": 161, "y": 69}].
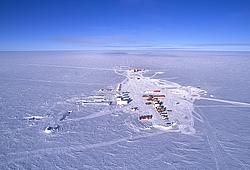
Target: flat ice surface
[{"x": 37, "y": 89}]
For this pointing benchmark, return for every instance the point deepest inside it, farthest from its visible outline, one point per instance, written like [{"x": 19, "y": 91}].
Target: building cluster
[
  {"x": 96, "y": 99},
  {"x": 135, "y": 70},
  {"x": 151, "y": 97},
  {"x": 161, "y": 109},
  {"x": 146, "y": 117},
  {"x": 122, "y": 98},
  {"x": 155, "y": 101}
]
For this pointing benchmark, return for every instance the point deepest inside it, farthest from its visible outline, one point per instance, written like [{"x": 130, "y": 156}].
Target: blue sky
[{"x": 115, "y": 24}]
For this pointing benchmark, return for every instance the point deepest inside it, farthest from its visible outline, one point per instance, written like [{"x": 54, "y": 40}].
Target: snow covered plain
[{"x": 37, "y": 89}]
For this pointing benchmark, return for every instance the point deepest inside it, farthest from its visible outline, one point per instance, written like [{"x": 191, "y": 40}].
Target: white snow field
[{"x": 59, "y": 92}]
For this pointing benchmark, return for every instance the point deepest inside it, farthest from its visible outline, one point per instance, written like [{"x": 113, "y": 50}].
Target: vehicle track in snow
[
  {"x": 225, "y": 101},
  {"x": 18, "y": 156},
  {"x": 219, "y": 152},
  {"x": 68, "y": 67},
  {"x": 50, "y": 81}
]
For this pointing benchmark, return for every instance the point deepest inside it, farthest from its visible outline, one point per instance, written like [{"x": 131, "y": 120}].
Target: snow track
[
  {"x": 220, "y": 154},
  {"x": 92, "y": 116},
  {"x": 15, "y": 156},
  {"x": 50, "y": 81},
  {"x": 69, "y": 67},
  {"x": 225, "y": 101}
]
